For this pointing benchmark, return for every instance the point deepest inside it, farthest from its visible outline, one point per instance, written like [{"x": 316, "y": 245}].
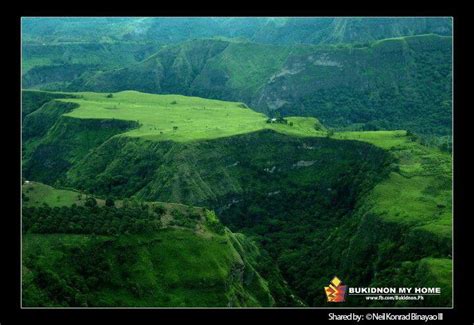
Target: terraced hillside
[{"x": 372, "y": 207}]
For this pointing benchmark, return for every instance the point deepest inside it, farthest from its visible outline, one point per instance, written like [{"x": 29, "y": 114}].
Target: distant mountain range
[{"x": 279, "y": 30}]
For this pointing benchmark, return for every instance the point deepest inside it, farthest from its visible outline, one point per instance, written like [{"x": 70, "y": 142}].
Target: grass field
[
  {"x": 189, "y": 266},
  {"x": 419, "y": 192},
  {"x": 38, "y": 193},
  {"x": 181, "y": 118}
]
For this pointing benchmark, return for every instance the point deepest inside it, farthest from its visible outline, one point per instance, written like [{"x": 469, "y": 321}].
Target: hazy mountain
[{"x": 277, "y": 30}]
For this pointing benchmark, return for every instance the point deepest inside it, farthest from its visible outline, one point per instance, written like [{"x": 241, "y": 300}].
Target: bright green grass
[
  {"x": 419, "y": 193},
  {"x": 438, "y": 272},
  {"x": 173, "y": 267},
  {"x": 39, "y": 194},
  {"x": 382, "y": 139},
  {"x": 441, "y": 269},
  {"x": 195, "y": 118},
  {"x": 418, "y": 196}
]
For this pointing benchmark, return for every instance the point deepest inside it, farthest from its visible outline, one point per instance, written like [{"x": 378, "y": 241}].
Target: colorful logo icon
[{"x": 336, "y": 292}]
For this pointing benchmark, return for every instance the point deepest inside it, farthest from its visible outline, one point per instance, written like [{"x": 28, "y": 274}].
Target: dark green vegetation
[
  {"x": 55, "y": 65},
  {"x": 35, "y": 99},
  {"x": 372, "y": 207}
]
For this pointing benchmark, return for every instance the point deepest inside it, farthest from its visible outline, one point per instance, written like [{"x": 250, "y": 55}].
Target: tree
[
  {"x": 90, "y": 202},
  {"x": 126, "y": 203},
  {"x": 159, "y": 209},
  {"x": 109, "y": 202},
  {"x": 110, "y": 96},
  {"x": 175, "y": 128},
  {"x": 370, "y": 126},
  {"x": 412, "y": 136}
]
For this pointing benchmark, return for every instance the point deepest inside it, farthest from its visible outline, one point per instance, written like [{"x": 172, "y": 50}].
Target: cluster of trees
[
  {"x": 132, "y": 217},
  {"x": 88, "y": 269},
  {"x": 383, "y": 109},
  {"x": 91, "y": 219},
  {"x": 292, "y": 215},
  {"x": 292, "y": 230}
]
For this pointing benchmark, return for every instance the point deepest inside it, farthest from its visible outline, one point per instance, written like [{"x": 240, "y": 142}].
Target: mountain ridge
[{"x": 345, "y": 86}]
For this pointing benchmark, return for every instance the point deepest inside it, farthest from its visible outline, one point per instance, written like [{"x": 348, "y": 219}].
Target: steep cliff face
[
  {"x": 170, "y": 70},
  {"x": 52, "y": 143},
  {"x": 56, "y": 65},
  {"x": 213, "y": 172}
]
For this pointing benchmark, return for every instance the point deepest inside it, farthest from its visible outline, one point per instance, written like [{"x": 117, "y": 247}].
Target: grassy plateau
[{"x": 181, "y": 118}]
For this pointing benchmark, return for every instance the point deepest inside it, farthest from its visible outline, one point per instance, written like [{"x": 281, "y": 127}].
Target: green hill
[
  {"x": 369, "y": 206},
  {"x": 56, "y": 65},
  {"x": 398, "y": 83},
  {"x": 152, "y": 254},
  {"x": 181, "y": 118}
]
